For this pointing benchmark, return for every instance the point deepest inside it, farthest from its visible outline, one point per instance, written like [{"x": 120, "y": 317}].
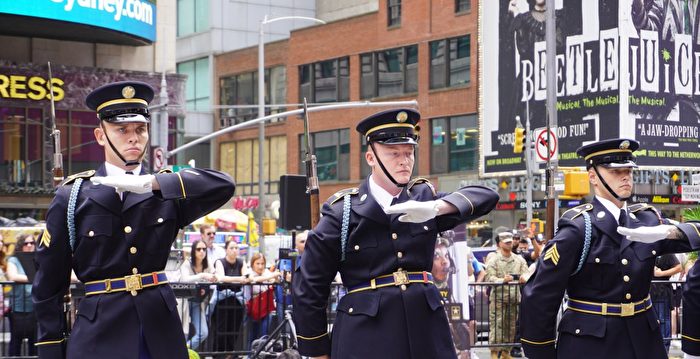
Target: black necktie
[
  {"x": 126, "y": 193},
  {"x": 623, "y": 218}
]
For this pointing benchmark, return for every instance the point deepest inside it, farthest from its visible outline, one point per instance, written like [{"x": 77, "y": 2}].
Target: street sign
[
  {"x": 690, "y": 193},
  {"x": 158, "y": 159},
  {"x": 696, "y": 178},
  {"x": 559, "y": 183},
  {"x": 545, "y": 145}
]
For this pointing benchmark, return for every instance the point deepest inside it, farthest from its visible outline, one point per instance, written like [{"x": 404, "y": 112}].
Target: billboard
[
  {"x": 624, "y": 68},
  {"x": 133, "y": 17}
]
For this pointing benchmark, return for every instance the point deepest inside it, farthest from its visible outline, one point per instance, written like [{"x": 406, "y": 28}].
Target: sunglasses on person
[
  {"x": 31, "y": 243},
  {"x": 201, "y": 249}
]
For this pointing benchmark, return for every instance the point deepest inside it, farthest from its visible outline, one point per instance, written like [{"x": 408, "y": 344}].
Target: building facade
[{"x": 87, "y": 46}]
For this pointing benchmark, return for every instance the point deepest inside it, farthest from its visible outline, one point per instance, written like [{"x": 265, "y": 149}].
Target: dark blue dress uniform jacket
[
  {"x": 691, "y": 295},
  {"x": 616, "y": 270},
  {"x": 113, "y": 238},
  {"x": 386, "y": 322}
]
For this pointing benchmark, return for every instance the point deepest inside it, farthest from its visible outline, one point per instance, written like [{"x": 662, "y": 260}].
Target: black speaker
[{"x": 295, "y": 205}]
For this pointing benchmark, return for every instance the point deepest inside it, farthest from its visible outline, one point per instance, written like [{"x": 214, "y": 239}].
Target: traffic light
[{"x": 519, "y": 140}]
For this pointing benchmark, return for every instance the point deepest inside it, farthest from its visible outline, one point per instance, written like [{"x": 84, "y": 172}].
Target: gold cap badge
[
  {"x": 128, "y": 92},
  {"x": 624, "y": 145},
  {"x": 402, "y": 116}
]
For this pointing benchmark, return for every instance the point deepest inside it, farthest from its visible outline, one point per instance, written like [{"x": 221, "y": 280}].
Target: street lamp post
[{"x": 261, "y": 103}]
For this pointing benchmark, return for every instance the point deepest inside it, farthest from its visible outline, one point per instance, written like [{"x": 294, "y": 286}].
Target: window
[
  {"x": 197, "y": 90},
  {"x": 364, "y": 167},
  {"x": 240, "y": 160},
  {"x": 242, "y": 90},
  {"x": 389, "y": 72},
  {"x": 192, "y": 16},
  {"x": 394, "y": 13},
  {"x": 462, "y": 5},
  {"x": 450, "y": 62},
  {"x": 332, "y": 150},
  {"x": 325, "y": 81},
  {"x": 454, "y": 144}
]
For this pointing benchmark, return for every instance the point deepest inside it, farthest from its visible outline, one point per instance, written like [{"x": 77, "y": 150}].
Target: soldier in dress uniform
[
  {"x": 606, "y": 276},
  {"x": 392, "y": 308},
  {"x": 115, "y": 230}
]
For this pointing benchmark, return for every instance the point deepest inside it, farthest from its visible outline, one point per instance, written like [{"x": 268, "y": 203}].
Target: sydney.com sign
[{"x": 134, "y": 17}]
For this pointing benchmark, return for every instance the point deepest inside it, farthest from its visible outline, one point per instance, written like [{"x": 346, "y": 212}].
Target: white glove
[
  {"x": 415, "y": 212},
  {"x": 126, "y": 183},
  {"x": 647, "y": 234}
]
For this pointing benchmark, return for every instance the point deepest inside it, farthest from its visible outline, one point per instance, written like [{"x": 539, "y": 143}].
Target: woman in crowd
[
  {"x": 228, "y": 313},
  {"x": 22, "y": 319},
  {"x": 197, "y": 269},
  {"x": 259, "y": 275}
]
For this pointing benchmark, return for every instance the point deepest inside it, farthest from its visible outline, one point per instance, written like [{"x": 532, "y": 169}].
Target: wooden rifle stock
[{"x": 311, "y": 176}]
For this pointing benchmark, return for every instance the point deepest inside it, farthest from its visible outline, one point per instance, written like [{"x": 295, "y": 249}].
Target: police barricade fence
[
  {"x": 218, "y": 319},
  {"x": 494, "y": 311}
]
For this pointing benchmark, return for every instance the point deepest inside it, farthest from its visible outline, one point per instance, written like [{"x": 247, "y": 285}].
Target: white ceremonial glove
[
  {"x": 415, "y": 212},
  {"x": 126, "y": 183},
  {"x": 647, "y": 234}
]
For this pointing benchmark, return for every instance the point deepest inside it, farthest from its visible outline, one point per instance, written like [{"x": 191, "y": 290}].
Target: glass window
[
  {"x": 462, "y": 5},
  {"x": 456, "y": 71},
  {"x": 390, "y": 72},
  {"x": 367, "y": 80},
  {"x": 242, "y": 90},
  {"x": 454, "y": 144},
  {"x": 365, "y": 169},
  {"x": 332, "y": 150},
  {"x": 325, "y": 81},
  {"x": 437, "y": 64},
  {"x": 411, "y": 81},
  {"x": 192, "y": 16},
  {"x": 197, "y": 85},
  {"x": 304, "y": 82},
  {"x": 394, "y": 12},
  {"x": 343, "y": 79}
]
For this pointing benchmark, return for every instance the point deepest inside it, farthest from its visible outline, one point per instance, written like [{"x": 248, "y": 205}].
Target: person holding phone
[{"x": 507, "y": 268}]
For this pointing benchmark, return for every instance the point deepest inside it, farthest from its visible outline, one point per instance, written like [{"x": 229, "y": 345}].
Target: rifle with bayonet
[
  {"x": 57, "y": 169},
  {"x": 311, "y": 175}
]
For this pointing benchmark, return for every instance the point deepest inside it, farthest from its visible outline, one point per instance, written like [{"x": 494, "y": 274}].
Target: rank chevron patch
[
  {"x": 45, "y": 238},
  {"x": 552, "y": 254}
]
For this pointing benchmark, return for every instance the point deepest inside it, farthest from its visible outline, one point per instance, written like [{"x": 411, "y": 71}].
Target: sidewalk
[{"x": 674, "y": 353}]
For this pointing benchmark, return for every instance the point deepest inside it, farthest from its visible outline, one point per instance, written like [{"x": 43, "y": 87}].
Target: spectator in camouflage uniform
[{"x": 504, "y": 267}]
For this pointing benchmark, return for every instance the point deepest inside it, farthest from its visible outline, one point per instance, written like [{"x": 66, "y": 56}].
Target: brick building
[{"x": 401, "y": 51}]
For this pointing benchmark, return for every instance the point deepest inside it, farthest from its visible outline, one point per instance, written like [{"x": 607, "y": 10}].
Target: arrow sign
[{"x": 545, "y": 145}]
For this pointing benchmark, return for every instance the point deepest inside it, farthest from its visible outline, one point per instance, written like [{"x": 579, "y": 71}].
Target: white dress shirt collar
[
  {"x": 113, "y": 170},
  {"x": 382, "y": 197},
  {"x": 611, "y": 207}
]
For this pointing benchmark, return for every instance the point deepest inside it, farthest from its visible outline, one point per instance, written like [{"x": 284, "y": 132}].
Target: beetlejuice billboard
[{"x": 624, "y": 68}]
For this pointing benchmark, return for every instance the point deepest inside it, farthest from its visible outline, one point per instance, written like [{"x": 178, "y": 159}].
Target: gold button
[
  {"x": 133, "y": 250},
  {"x": 127, "y": 229},
  {"x": 357, "y": 247},
  {"x": 425, "y": 227},
  {"x": 160, "y": 220},
  {"x": 653, "y": 252},
  {"x": 394, "y": 236},
  {"x": 624, "y": 261},
  {"x": 628, "y": 296},
  {"x": 403, "y": 287},
  {"x": 399, "y": 254},
  {"x": 134, "y": 293},
  {"x": 578, "y": 331},
  {"x": 91, "y": 233},
  {"x": 626, "y": 278},
  {"x": 597, "y": 260},
  {"x": 134, "y": 270},
  {"x": 350, "y": 310}
]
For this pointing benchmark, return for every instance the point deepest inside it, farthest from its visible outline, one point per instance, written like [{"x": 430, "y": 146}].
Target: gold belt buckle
[
  {"x": 400, "y": 277},
  {"x": 133, "y": 282},
  {"x": 626, "y": 309}
]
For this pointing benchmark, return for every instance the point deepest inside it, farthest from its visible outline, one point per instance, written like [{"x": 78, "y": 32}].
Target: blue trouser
[
  {"x": 663, "y": 313},
  {"x": 258, "y": 328},
  {"x": 199, "y": 321}
]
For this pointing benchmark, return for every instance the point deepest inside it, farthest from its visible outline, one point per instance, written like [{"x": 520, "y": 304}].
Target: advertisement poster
[{"x": 624, "y": 68}]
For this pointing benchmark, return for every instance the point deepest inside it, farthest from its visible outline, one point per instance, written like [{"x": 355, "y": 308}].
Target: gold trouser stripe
[
  {"x": 49, "y": 342},
  {"x": 537, "y": 343},
  {"x": 690, "y": 338},
  {"x": 182, "y": 185},
  {"x": 312, "y": 338}
]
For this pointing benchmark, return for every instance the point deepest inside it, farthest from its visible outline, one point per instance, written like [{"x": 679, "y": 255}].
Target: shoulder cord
[
  {"x": 586, "y": 242},
  {"x": 71, "y": 211},
  {"x": 344, "y": 228}
]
